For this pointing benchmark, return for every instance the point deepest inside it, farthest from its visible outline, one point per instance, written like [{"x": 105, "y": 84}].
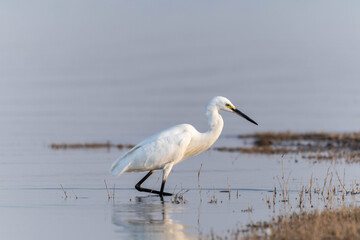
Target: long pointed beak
[{"x": 243, "y": 115}]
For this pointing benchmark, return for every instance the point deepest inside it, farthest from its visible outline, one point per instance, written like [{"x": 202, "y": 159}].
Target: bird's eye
[{"x": 228, "y": 105}]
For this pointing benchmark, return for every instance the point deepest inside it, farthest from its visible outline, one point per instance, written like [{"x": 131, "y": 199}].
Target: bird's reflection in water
[{"x": 148, "y": 218}]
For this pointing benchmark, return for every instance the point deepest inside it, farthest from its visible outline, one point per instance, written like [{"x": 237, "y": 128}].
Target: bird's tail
[{"x": 119, "y": 166}]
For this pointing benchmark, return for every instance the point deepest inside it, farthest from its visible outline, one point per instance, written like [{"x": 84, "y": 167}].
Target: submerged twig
[
  {"x": 107, "y": 189},
  {"x": 199, "y": 182},
  {"x": 228, "y": 186},
  {"x": 64, "y": 191}
]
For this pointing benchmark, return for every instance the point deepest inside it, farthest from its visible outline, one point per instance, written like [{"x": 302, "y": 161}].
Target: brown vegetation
[
  {"x": 342, "y": 223},
  {"x": 320, "y": 146},
  {"x": 89, "y": 145}
]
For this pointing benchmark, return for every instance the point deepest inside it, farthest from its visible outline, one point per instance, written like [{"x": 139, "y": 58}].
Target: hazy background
[{"x": 121, "y": 70}]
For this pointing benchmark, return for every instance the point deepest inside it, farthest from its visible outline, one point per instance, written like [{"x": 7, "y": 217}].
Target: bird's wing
[
  {"x": 154, "y": 152},
  {"x": 172, "y": 131},
  {"x": 122, "y": 163}
]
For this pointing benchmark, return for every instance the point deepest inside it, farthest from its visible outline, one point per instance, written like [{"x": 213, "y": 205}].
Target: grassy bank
[
  {"x": 342, "y": 223},
  {"x": 315, "y": 146}
]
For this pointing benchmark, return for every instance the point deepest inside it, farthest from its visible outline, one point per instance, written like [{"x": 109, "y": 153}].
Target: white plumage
[{"x": 173, "y": 145}]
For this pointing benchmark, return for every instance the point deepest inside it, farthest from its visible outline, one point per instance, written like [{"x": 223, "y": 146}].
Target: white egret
[{"x": 173, "y": 145}]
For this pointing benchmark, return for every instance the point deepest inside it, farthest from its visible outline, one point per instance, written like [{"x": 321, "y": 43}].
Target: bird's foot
[
  {"x": 166, "y": 194},
  {"x": 140, "y": 189}
]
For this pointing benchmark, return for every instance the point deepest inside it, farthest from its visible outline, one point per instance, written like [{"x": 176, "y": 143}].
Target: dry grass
[
  {"x": 342, "y": 223},
  {"x": 178, "y": 198},
  {"x": 318, "y": 146},
  {"x": 213, "y": 198},
  {"x": 256, "y": 149},
  {"x": 89, "y": 145},
  {"x": 336, "y": 224},
  {"x": 340, "y": 137}
]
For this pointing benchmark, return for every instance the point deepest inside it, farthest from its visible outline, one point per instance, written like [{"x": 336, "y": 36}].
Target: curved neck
[
  {"x": 203, "y": 141},
  {"x": 215, "y": 123}
]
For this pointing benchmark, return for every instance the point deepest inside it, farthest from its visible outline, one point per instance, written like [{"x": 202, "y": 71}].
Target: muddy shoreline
[{"x": 319, "y": 146}]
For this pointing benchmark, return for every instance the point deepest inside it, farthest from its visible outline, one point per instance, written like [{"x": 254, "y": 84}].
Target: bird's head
[{"x": 222, "y": 103}]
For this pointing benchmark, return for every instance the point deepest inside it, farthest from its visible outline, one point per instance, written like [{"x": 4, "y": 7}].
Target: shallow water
[
  {"x": 32, "y": 196},
  {"x": 120, "y": 72}
]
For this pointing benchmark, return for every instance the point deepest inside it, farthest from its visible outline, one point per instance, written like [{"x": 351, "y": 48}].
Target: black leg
[
  {"x": 162, "y": 187},
  {"x": 138, "y": 185},
  {"x": 161, "y": 193}
]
